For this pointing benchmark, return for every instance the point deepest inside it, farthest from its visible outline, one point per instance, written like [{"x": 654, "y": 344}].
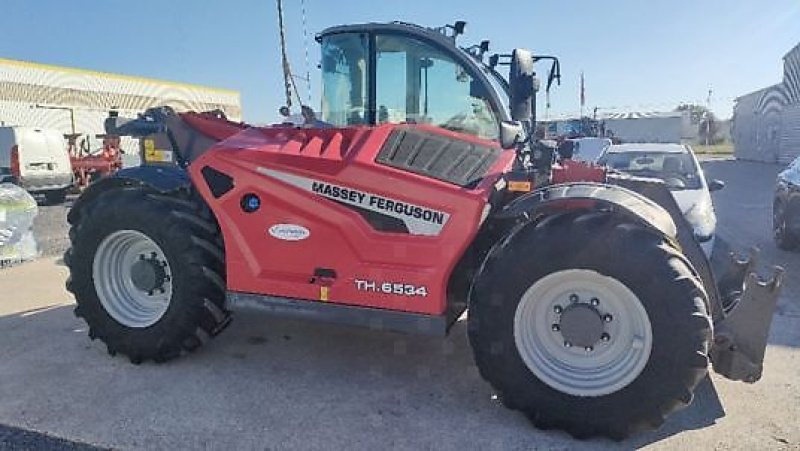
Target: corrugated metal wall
[
  {"x": 766, "y": 123},
  {"x": 28, "y": 91},
  {"x": 744, "y": 126},
  {"x": 790, "y": 136}
]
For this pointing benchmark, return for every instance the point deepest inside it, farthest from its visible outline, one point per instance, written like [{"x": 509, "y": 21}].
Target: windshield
[
  {"x": 676, "y": 169},
  {"x": 499, "y": 84}
]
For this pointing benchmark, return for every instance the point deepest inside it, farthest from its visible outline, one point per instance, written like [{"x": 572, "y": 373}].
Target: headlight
[{"x": 701, "y": 218}]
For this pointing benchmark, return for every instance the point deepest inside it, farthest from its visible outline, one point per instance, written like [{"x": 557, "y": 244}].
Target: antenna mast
[{"x": 288, "y": 80}]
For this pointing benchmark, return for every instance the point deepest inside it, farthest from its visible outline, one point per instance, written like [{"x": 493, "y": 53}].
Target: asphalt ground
[
  {"x": 50, "y": 227},
  {"x": 278, "y": 384}
]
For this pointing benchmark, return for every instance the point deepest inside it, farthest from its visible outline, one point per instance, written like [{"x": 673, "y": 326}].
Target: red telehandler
[{"x": 419, "y": 193}]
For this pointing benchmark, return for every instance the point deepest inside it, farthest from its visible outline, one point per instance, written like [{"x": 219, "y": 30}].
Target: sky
[{"x": 635, "y": 55}]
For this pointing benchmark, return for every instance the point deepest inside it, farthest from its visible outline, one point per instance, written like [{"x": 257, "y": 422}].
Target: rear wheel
[
  {"x": 780, "y": 226},
  {"x": 147, "y": 272},
  {"x": 591, "y": 324}
]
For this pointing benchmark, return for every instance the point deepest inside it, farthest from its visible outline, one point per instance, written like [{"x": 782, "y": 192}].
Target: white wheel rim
[
  {"x": 116, "y": 287},
  {"x": 612, "y": 363}
]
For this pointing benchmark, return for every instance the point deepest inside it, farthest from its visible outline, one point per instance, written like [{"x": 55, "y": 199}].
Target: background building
[
  {"x": 76, "y": 100},
  {"x": 766, "y": 123},
  {"x": 634, "y": 127},
  {"x": 654, "y": 127}
]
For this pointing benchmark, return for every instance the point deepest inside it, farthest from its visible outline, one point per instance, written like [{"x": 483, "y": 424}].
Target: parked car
[
  {"x": 37, "y": 160},
  {"x": 677, "y": 166},
  {"x": 786, "y": 208}
]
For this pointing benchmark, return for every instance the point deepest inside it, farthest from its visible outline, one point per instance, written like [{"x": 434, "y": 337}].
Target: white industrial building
[
  {"x": 77, "y": 100},
  {"x": 650, "y": 127},
  {"x": 766, "y": 123},
  {"x": 631, "y": 127}
]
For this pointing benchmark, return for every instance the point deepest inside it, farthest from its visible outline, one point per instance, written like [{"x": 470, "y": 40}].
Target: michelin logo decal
[{"x": 418, "y": 220}]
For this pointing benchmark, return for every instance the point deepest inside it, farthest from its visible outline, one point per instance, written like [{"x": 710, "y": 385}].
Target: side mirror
[
  {"x": 511, "y": 134},
  {"x": 521, "y": 82},
  {"x": 715, "y": 185}
]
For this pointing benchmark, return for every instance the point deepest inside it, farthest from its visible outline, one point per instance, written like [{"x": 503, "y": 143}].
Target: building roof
[
  {"x": 647, "y": 147},
  {"x": 111, "y": 75},
  {"x": 794, "y": 49},
  {"x": 641, "y": 115},
  {"x": 759, "y": 92}
]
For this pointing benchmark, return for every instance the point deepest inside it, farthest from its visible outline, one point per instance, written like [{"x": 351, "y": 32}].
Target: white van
[
  {"x": 37, "y": 160},
  {"x": 589, "y": 149}
]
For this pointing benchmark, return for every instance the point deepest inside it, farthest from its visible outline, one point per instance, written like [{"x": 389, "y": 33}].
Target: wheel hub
[
  {"x": 581, "y": 325},
  {"x": 132, "y": 278},
  {"x": 148, "y": 274},
  {"x": 582, "y": 332}
]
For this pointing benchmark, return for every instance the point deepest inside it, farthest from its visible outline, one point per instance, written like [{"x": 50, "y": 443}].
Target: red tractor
[{"x": 419, "y": 193}]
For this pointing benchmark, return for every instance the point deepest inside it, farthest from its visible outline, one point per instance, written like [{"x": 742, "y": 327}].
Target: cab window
[
  {"x": 416, "y": 83},
  {"x": 344, "y": 79}
]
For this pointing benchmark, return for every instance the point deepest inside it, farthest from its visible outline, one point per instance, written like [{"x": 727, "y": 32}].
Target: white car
[
  {"x": 37, "y": 160},
  {"x": 677, "y": 166}
]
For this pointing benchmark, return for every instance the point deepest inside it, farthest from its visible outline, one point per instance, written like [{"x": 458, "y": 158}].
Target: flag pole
[{"x": 583, "y": 93}]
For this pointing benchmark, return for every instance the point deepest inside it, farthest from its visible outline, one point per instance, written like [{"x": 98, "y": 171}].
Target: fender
[
  {"x": 596, "y": 196},
  {"x": 162, "y": 179}
]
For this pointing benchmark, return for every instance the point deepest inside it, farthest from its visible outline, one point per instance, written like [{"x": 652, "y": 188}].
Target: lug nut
[
  {"x": 558, "y": 309},
  {"x": 608, "y": 318},
  {"x": 150, "y": 293},
  {"x": 153, "y": 255},
  {"x": 167, "y": 278},
  {"x": 556, "y": 328},
  {"x": 595, "y": 302},
  {"x": 605, "y": 337},
  {"x": 567, "y": 344},
  {"x": 573, "y": 298},
  {"x": 588, "y": 349},
  {"x": 164, "y": 264}
]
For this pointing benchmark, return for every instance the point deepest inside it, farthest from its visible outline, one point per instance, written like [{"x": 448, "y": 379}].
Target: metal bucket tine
[{"x": 740, "y": 340}]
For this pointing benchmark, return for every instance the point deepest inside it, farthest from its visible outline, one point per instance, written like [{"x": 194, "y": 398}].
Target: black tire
[
  {"x": 784, "y": 238},
  {"x": 183, "y": 227},
  {"x": 55, "y": 197},
  {"x": 651, "y": 267}
]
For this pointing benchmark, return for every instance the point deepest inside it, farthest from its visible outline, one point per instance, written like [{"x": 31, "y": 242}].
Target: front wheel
[
  {"x": 589, "y": 323},
  {"x": 148, "y": 272}
]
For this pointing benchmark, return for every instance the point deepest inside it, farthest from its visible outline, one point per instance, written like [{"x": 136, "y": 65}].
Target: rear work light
[{"x": 14, "y": 166}]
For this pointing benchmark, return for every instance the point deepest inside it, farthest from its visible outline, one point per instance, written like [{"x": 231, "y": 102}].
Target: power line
[{"x": 305, "y": 43}]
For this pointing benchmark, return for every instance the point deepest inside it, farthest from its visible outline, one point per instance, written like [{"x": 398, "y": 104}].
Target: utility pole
[
  {"x": 583, "y": 93},
  {"x": 708, "y": 116}
]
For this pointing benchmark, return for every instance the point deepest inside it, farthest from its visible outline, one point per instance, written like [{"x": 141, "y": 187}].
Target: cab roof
[{"x": 388, "y": 27}]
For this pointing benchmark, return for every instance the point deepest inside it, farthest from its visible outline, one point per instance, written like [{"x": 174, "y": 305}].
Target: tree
[
  {"x": 696, "y": 112},
  {"x": 704, "y": 119}
]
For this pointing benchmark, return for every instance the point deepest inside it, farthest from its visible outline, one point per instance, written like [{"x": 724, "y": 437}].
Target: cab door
[{"x": 417, "y": 83}]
